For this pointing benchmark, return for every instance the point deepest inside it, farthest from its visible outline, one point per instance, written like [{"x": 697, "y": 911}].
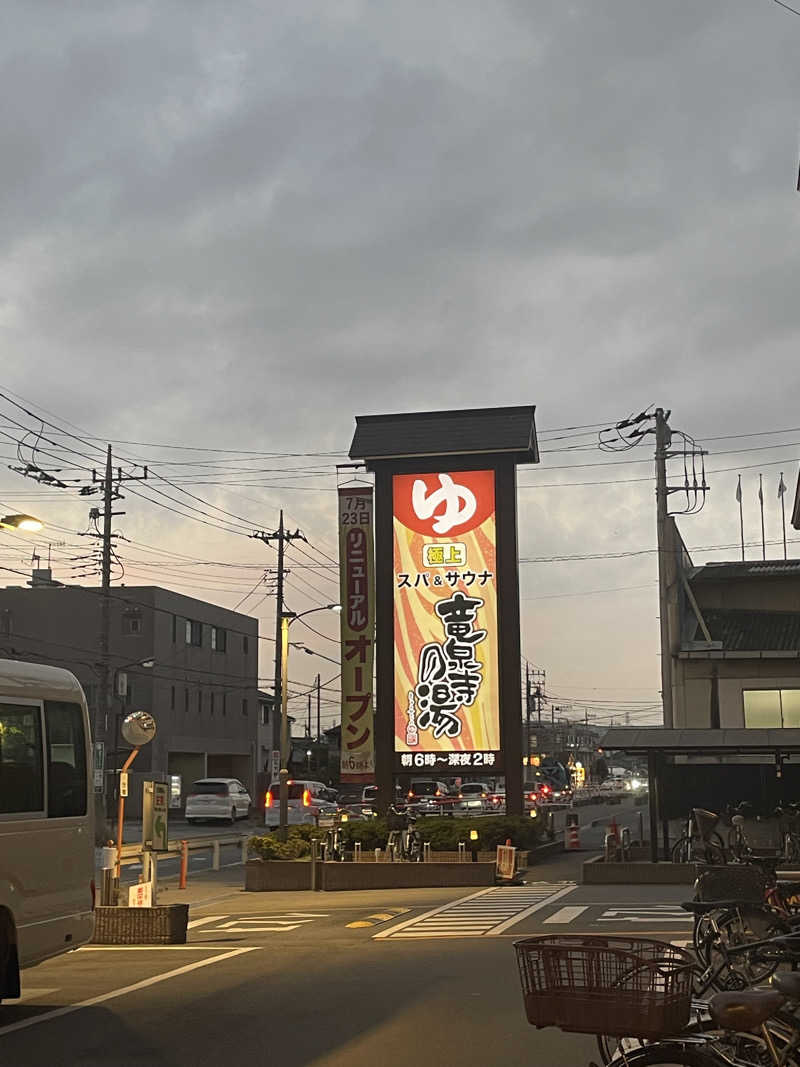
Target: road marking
[
  {"x": 378, "y": 917},
  {"x": 487, "y": 913},
  {"x": 658, "y": 913},
  {"x": 193, "y": 923},
  {"x": 36, "y": 1020},
  {"x": 566, "y": 915},
  {"x": 200, "y": 946}
]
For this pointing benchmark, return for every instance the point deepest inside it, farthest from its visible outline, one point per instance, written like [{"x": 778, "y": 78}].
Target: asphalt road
[{"x": 424, "y": 977}]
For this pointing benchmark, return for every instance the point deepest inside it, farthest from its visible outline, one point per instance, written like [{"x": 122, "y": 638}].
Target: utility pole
[
  {"x": 663, "y": 440},
  {"x": 308, "y": 718},
  {"x": 283, "y": 537},
  {"x": 110, "y": 488},
  {"x": 319, "y": 716},
  {"x": 528, "y": 708}
]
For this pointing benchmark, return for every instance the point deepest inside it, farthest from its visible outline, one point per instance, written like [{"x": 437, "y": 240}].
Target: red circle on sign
[{"x": 444, "y": 505}]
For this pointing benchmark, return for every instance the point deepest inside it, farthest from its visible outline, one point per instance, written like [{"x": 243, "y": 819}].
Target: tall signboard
[
  {"x": 357, "y": 621},
  {"x": 448, "y": 698},
  {"x": 446, "y": 666}
]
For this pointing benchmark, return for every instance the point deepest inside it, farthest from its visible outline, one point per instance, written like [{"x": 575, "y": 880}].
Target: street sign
[
  {"x": 122, "y": 684},
  {"x": 275, "y": 764},
  {"x": 140, "y": 896},
  {"x": 175, "y": 791},
  {"x": 99, "y": 762},
  {"x": 98, "y": 781},
  {"x": 123, "y": 783},
  {"x": 155, "y": 816}
]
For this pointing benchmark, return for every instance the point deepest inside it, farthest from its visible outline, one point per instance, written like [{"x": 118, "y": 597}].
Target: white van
[{"x": 46, "y": 818}]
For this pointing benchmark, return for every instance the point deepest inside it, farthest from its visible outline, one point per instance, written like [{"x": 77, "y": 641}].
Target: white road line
[
  {"x": 24, "y": 1024},
  {"x": 529, "y": 911},
  {"x": 566, "y": 915},
  {"x": 200, "y": 946},
  {"x": 193, "y": 923},
  {"x": 426, "y": 915}
]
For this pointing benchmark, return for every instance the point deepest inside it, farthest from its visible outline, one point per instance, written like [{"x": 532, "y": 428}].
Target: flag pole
[
  {"x": 741, "y": 513},
  {"x": 761, "y": 503},
  {"x": 781, "y": 492}
]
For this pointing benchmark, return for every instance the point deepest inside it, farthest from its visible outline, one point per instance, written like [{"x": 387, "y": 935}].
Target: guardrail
[{"x": 133, "y": 853}]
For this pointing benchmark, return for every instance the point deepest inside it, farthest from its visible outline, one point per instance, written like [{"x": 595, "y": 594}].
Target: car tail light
[
  {"x": 410, "y": 794},
  {"x": 268, "y": 799},
  {"x": 438, "y": 792},
  {"x": 306, "y": 798}
]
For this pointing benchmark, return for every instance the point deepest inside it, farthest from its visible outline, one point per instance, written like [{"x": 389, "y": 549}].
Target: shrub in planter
[
  {"x": 372, "y": 833},
  {"x": 268, "y": 847},
  {"x": 445, "y": 833}
]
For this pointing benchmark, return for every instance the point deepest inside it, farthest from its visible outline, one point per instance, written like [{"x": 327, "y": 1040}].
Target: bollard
[
  {"x": 625, "y": 843},
  {"x": 154, "y": 877},
  {"x": 244, "y": 850},
  {"x": 426, "y": 852},
  {"x": 572, "y": 836},
  {"x": 356, "y": 852},
  {"x": 215, "y": 855},
  {"x": 107, "y": 889},
  {"x": 377, "y": 855},
  {"x": 184, "y": 864},
  {"x": 314, "y": 858},
  {"x": 462, "y": 852},
  {"x": 610, "y": 847}
]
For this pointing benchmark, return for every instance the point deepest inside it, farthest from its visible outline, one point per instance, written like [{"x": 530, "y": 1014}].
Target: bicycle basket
[
  {"x": 739, "y": 882},
  {"x": 706, "y": 822},
  {"x": 623, "y": 987}
]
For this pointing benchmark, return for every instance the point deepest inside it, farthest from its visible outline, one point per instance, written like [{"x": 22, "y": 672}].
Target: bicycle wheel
[
  {"x": 682, "y": 850},
  {"x": 673, "y": 1054},
  {"x": 735, "y": 928}
]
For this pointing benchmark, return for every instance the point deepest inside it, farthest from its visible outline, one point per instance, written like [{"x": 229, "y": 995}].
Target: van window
[
  {"x": 21, "y": 780},
  {"x": 66, "y": 759},
  {"x": 210, "y": 789}
]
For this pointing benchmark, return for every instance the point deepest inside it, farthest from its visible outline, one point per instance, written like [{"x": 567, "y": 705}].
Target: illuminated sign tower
[{"x": 447, "y": 592}]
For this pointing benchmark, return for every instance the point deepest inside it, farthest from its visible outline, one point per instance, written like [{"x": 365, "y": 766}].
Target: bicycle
[
  {"x": 592, "y": 984},
  {"x": 404, "y": 840},
  {"x": 700, "y": 840}
]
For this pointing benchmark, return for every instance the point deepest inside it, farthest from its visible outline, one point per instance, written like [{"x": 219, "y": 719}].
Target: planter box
[
  {"x": 261, "y": 876},
  {"x": 161, "y": 925},
  {"x": 341, "y": 876},
  {"x": 632, "y": 872}
]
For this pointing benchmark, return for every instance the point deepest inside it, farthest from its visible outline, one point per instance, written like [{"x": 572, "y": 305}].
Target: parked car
[
  {"x": 217, "y": 798},
  {"x": 616, "y": 785},
  {"x": 308, "y": 803},
  {"x": 427, "y": 788}
]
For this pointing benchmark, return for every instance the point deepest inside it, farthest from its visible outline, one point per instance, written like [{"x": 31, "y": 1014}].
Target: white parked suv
[
  {"x": 308, "y": 802},
  {"x": 217, "y": 798}
]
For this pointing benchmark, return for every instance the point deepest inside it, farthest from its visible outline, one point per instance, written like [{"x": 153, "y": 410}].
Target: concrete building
[
  {"x": 734, "y": 642},
  {"x": 202, "y": 686}
]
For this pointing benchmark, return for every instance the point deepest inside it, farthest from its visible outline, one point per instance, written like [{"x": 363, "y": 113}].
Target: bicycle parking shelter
[{"x": 710, "y": 769}]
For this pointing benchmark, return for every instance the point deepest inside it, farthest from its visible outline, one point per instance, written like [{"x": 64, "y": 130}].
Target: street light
[
  {"x": 21, "y": 522},
  {"x": 287, "y": 618}
]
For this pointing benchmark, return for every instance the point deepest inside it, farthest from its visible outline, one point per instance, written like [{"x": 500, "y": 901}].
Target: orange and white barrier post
[{"x": 572, "y": 836}]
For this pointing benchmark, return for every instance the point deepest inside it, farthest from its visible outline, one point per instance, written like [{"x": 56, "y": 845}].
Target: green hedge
[
  {"x": 268, "y": 847},
  {"x": 445, "y": 833}
]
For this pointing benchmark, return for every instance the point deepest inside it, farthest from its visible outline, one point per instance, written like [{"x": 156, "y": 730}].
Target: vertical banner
[
  {"x": 446, "y": 664},
  {"x": 357, "y": 597}
]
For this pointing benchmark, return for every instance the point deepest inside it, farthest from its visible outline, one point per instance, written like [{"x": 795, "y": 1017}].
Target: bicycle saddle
[
  {"x": 746, "y": 1010},
  {"x": 788, "y": 984}
]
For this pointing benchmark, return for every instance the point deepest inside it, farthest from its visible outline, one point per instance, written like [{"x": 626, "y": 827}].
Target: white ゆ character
[{"x": 451, "y": 495}]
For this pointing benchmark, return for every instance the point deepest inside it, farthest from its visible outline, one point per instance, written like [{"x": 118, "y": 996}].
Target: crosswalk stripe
[
  {"x": 566, "y": 915},
  {"x": 194, "y": 923},
  {"x": 487, "y": 913}
]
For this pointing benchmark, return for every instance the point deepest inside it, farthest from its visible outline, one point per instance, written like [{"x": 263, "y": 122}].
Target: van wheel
[{"x": 9, "y": 964}]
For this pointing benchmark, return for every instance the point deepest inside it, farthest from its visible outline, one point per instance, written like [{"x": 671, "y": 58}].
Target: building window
[
  {"x": 218, "y": 639},
  {"x": 244, "y": 706},
  {"x": 194, "y": 633},
  {"x": 245, "y": 644},
  {"x": 186, "y": 700},
  {"x": 132, "y": 623},
  {"x": 172, "y": 698},
  {"x": 174, "y": 629},
  {"x": 264, "y": 713},
  {"x": 771, "y": 708}
]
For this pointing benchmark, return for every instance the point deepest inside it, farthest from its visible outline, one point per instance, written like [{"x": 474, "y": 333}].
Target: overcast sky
[{"x": 239, "y": 225}]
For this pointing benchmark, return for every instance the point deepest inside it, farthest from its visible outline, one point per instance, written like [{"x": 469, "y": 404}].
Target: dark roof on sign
[
  {"x": 753, "y": 631},
  {"x": 724, "y": 572},
  {"x": 698, "y": 742},
  {"x": 510, "y": 430}
]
